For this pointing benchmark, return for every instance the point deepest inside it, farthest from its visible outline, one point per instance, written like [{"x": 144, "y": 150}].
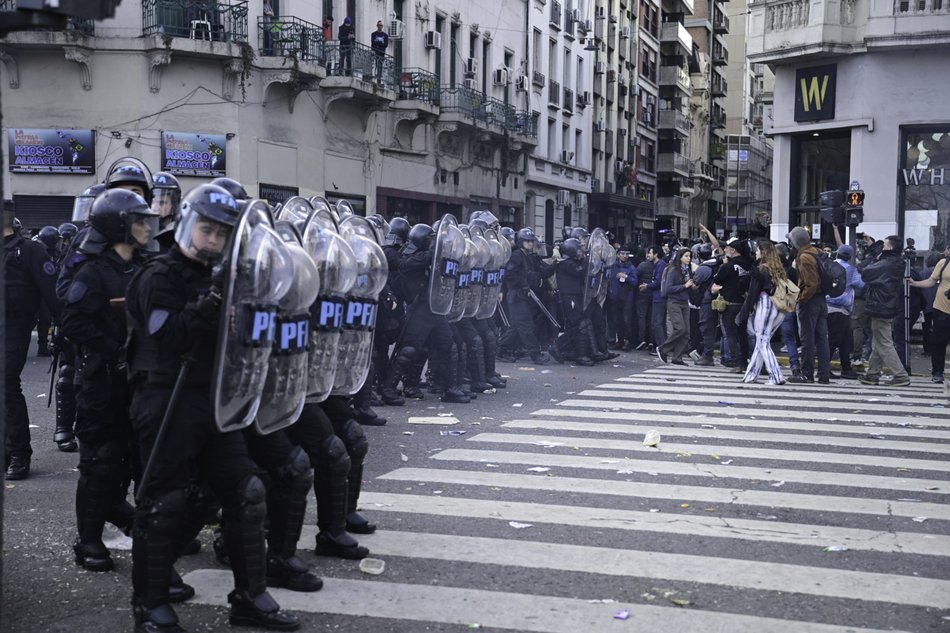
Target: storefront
[{"x": 923, "y": 186}]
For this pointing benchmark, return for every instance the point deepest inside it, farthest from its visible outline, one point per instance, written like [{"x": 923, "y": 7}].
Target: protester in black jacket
[{"x": 883, "y": 295}]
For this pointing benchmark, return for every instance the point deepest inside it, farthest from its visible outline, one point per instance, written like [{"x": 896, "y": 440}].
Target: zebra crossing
[{"x": 763, "y": 508}]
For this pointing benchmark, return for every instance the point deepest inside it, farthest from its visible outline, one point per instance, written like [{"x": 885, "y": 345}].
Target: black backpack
[{"x": 833, "y": 277}]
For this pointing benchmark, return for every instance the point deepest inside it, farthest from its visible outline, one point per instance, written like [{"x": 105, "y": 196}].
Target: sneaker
[
  {"x": 849, "y": 375},
  {"x": 904, "y": 381},
  {"x": 679, "y": 361},
  {"x": 798, "y": 379},
  {"x": 865, "y": 379},
  {"x": 641, "y": 345},
  {"x": 661, "y": 355},
  {"x": 704, "y": 362},
  {"x": 937, "y": 378}
]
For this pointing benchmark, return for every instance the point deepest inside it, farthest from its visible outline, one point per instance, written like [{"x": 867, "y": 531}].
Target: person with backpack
[
  {"x": 700, "y": 296},
  {"x": 731, "y": 283},
  {"x": 674, "y": 288},
  {"x": 812, "y": 310},
  {"x": 940, "y": 329},
  {"x": 840, "y": 336},
  {"x": 771, "y": 296},
  {"x": 882, "y": 282}
]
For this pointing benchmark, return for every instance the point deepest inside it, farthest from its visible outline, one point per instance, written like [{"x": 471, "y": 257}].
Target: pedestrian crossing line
[
  {"x": 836, "y": 385},
  {"x": 685, "y": 523},
  {"x": 773, "y": 430},
  {"x": 649, "y": 386},
  {"x": 642, "y": 490},
  {"x": 735, "y": 411},
  {"x": 921, "y": 382},
  {"x": 745, "y": 574},
  {"x": 499, "y": 610},
  {"x": 721, "y": 451},
  {"x": 705, "y": 470},
  {"x": 739, "y": 398}
]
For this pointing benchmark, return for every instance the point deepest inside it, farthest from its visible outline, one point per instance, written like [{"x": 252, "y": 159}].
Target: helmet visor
[
  {"x": 166, "y": 203},
  {"x": 202, "y": 238},
  {"x": 81, "y": 208},
  {"x": 143, "y": 228}
]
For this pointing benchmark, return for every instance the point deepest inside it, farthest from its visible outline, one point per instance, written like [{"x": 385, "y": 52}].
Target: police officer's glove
[{"x": 209, "y": 304}]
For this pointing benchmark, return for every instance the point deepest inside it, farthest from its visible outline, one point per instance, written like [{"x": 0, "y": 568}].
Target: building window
[
  {"x": 536, "y": 63},
  {"x": 552, "y": 139},
  {"x": 923, "y": 186},
  {"x": 552, "y": 59}
]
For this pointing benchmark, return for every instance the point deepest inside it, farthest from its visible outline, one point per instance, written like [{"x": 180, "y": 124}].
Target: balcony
[
  {"x": 719, "y": 86},
  {"x": 537, "y": 79},
  {"x": 359, "y": 62},
  {"x": 287, "y": 35},
  {"x": 675, "y": 76},
  {"x": 647, "y": 118},
  {"x": 524, "y": 123},
  {"x": 674, "y": 120},
  {"x": 717, "y": 120},
  {"x": 554, "y": 94},
  {"x": 720, "y": 22},
  {"x": 192, "y": 19},
  {"x": 673, "y": 163},
  {"x": 416, "y": 84},
  {"x": 568, "y": 101},
  {"x": 555, "y": 16},
  {"x": 720, "y": 56},
  {"x": 672, "y": 205},
  {"x": 675, "y": 35}
]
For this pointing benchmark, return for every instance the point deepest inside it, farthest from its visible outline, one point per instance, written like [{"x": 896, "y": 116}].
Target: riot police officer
[
  {"x": 574, "y": 344},
  {"x": 523, "y": 273},
  {"x": 166, "y": 200},
  {"x": 29, "y": 280},
  {"x": 392, "y": 305},
  {"x": 121, "y": 225},
  {"x": 51, "y": 240},
  {"x": 173, "y": 309}
]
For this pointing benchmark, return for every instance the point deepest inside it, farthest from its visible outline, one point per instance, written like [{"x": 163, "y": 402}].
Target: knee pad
[
  {"x": 407, "y": 354},
  {"x": 334, "y": 460},
  {"x": 297, "y": 471},
  {"x": 355, "y": 440},
  {"x": 106, "y": 460},
  {"x": 67, "y": 373},
  {"x": 252, "y": 495},
  {"x": 163, "y": 511}
]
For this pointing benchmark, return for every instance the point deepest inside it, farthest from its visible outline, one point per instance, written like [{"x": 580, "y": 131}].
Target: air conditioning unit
[
  {"x": 611, "y": 75},
  {"x": 588, "y": 26},
  {"x": 625, "y": 32},
  {"x": 600, "y": 126},
  {"x": 433, "y": 40},
  {"x": 613, "y": 18},
  {"x": 600, "y": 68},
  {"x": 600, "y": 13},
  {"x": 636, "y": 141},
  {"x": 471, "y": 66},
  {"x": 580, "y": 200},
  {"x": 567, "y": 156},
  {"x": 586, "y": 96},
  {"x": 563, "y": 197},
  {"x": 576, "y": 16},
  {"x": 622, "y": 131},
  {"x": 619, "y": 166},
  {"x": 470, "y": 84},
  {"x": 521, "y": 84},
  {"x": 500, "y": 77},
  {"x": 396, "y": 29},
  {"x": 636, "y": 90}
]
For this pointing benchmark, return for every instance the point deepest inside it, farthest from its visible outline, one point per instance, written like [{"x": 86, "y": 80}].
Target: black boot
[
  {"x": 340, "y": 545},
  {"x": 96, "y": 492},
  {"x": 396, "y": 373},
  {"x": 65, "y": 411},
  {"x": 286, "y": 509},
  {"x": 355, "y": 522},
  {"x": 161, "y": 619},
  {"x": 260, "y": 610},
  {"x": 18, "y": 468},
  {"x": 178, "y": 590},
  {"x": 455, "y": 395},
  {"x": 291, "y": 573},
  {"x": 330, "y": 488},
  {"x": 153, "y": 554}
]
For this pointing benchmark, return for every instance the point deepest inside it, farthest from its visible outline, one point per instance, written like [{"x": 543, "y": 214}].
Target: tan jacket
[{"x": 809, "y": 279}]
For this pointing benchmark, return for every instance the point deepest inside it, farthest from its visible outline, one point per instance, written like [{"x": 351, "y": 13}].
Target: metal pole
[{"x": 907, "y": 324}]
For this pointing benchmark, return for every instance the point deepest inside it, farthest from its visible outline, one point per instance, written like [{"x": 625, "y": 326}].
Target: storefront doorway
[{"x": 821, "y": 161}]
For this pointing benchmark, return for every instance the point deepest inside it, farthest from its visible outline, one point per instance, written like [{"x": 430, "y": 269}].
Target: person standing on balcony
[
  {"x": 379, "y": 42},
  {"x": 347, "y": 36}
]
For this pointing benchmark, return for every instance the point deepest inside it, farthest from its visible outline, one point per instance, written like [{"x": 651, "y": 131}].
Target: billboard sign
[
  {"x": 51, "y": 151},
  {"x": 188, "y": 154}
]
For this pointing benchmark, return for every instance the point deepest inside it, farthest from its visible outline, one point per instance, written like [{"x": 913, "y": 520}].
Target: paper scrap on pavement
[
  {"x": 403, "y": 457},
  {"x": 539, "y": 469},
  {"x": 547, "y": 444},
  {"x": 520, "y": 526},
  {"x": 440, "y": 419},
  {"x": 452, "y": 433}
]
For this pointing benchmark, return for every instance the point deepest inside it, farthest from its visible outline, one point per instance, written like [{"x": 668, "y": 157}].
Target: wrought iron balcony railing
[
  {"x": 288, "y": 35},
  {"x": 416, "y": 84},
  {"x": 222, "y": 21},
  {"x": 360, "y": 62}
]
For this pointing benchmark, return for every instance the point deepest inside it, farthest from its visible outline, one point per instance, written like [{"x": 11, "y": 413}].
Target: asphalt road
[{"x": 548, "y": 514}]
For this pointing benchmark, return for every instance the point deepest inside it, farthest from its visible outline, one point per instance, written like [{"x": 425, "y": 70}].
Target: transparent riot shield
[
  {"x": 336, "y": 271},
  {"x": 359, "y": 316},
  {"x": 609, "y": 255},
  {"x": 258, "y": 273},
  {"x": 481, "y": 261},
  {"x": 449, "y": 248},
  {"x": 463, "y": 285},
  {"x": 596, "y": 253},
  {"x": 286, "y": 386},
  {"x": 500, "y": 254},
  {"x": 295, "y": 210}
]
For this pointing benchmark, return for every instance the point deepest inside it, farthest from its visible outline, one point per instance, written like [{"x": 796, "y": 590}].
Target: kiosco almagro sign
[
  {"x": 188, "y": 154},
  {"x": 42, "y": 151}
]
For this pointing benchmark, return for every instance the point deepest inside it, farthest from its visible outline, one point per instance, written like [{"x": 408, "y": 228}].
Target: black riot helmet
[
  {"x": 83, "y": 202},
  {"x": 208, "y": 215},
  {"x": 566, "y": 232},
  {"x": 120, "y": 216},
  {"x": 420, "y": 239},
  {"x": 398, "y": 232},
  {"x": 580, "y": 233},
  {"x": 126, "y": 176},
  {"x": 50, "y": 237},
  {"x": 571, "y": 248},
  {"x": 526, "y": 239},
  {"x": 67, "y": 231},
  {"x": 483, "y": 218},
  {"x": 509, "y": 234},
  {"x": 166, "y": 197},
  {"x": 236, "y": 189}
]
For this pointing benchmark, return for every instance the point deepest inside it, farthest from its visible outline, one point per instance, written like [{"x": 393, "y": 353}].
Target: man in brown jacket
[{"x": 812, "y": 310}]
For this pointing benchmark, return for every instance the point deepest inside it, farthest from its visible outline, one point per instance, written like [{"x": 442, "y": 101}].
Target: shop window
[{"x": 924, "y": 186}]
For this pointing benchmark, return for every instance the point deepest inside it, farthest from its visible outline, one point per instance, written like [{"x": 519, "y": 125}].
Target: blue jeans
[
  {"x": 813, "y": 328},
  {"x": 658, "y": 322},
  {"x": 790, "y": 340},
  {"x": 708, "y": 320}
]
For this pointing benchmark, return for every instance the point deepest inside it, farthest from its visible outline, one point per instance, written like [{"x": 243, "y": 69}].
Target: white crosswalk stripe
[{"x": 858, "y": 467}]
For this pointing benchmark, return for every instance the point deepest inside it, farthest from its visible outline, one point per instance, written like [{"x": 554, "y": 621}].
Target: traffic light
[
  {"x": 831, "y": 206},
  {"x": 855, "y": 198},
  {"x": 854, "y": 209}
]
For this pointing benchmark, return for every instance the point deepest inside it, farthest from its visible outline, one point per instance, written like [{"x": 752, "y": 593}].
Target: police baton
[
  {"x": 504, "y": 317},
  {"x": 53, "y": 366},
  {"x": 544, "y": 309},
  {"x": 186, "y": 362}
]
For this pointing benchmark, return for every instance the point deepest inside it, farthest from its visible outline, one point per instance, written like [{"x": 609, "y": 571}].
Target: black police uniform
[
  {"x": 29, "y": 281},
  {"x": 521, "y": 274},
  {"x": 44, "y": 319},
  {"x": 98, "y": 330},
  {"x": 571, "y": 274},
  {"x": 172, "y": 314}
]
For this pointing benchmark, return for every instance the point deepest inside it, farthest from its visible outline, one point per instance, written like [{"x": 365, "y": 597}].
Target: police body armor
[
  {"x": 463, "y": 285},
  {"x": 448, "y": 249},
  {"x": 285, "y": 389},
  {"x": 336, "y": 270},
  {"x": 494, "y": 273},
  {"x": 257, "y": 276},
  {"x": 481, "y": 261},
  {"x": 359, "y": 316}
]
